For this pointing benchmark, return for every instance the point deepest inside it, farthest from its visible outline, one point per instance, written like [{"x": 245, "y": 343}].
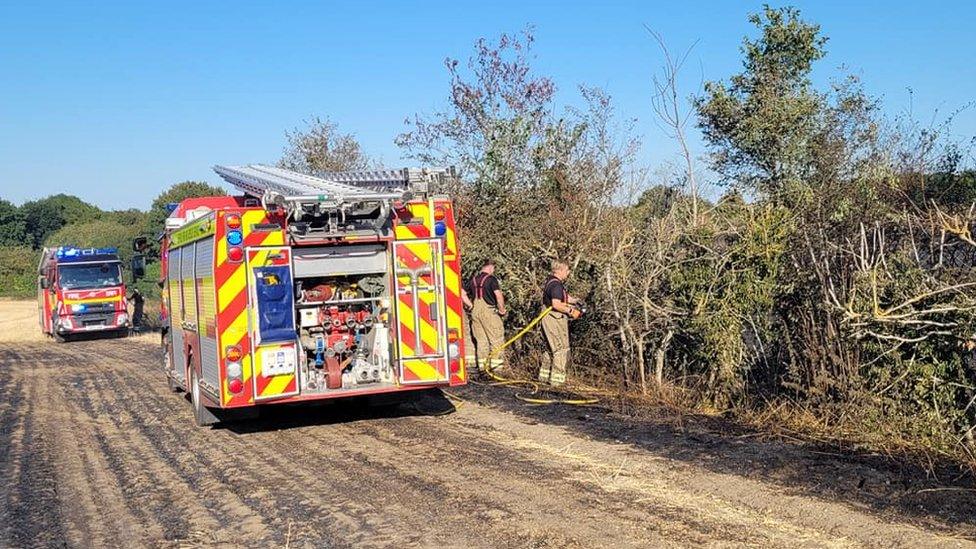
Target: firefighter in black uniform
[
  {"x": 483, "y": 297},
  {"x": 555, "y": 325}
]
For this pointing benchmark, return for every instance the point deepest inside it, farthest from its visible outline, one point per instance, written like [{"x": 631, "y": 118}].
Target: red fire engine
[
  {"x": 308, "y": 288},
  {"x": 81, "y": 291}
]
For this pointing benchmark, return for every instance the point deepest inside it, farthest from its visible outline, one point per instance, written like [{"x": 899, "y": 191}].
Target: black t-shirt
[
  {"x": 553, "y": 289},
  {"x": 487, "y": 283}
]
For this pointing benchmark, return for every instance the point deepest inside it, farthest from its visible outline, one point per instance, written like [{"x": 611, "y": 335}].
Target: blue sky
[{"x": 115, "y": 101}]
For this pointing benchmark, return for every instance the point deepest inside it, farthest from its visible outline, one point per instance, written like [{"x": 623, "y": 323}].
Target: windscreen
[{"x": 90, "y": 275}]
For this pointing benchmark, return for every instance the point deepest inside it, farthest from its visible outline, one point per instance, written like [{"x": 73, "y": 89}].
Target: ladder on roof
[{"x": 330, "y": 189}]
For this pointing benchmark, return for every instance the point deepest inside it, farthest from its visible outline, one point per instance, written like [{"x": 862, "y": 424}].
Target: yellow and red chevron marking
[
  {"x": 420, "y": 211},
  {"x": 414, "y": 255},
  {"x": 452, "y": 289},
  {"x": 273, "y": 385},
  {"x": 231, "y": 283}
]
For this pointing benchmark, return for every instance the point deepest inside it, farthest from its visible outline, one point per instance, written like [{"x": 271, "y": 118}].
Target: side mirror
[
  {"x": 45, "y": 283},
  {"x": 139, "y": 244},
  {"x": 138, "y": 266}
]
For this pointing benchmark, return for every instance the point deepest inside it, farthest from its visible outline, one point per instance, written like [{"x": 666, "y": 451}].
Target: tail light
[
  {"x": 235, "y": 385},
  {"x": 233, "y": 221},
  {"x": 235, "y": 254},
  {"x": 439, "y": 213},
  {"x": 233, "y": 368},
  {"x": 233, "y": 353},
  {"x": 454, "y": 349}
]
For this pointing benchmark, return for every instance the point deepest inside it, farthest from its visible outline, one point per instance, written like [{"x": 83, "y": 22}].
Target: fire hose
[{"x": 534, "y": 387}]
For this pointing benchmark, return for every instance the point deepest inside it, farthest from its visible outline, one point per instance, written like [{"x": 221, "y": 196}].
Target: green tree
[
  {"x": 132, "y": 216},
  {"x": 13, "y": 229},
  {"x": 43, "y": 217},
  {"x": 760, "y": 125},
  {"x": 321, "y": 147},
  {"x": 100, "y": 233},
  {"x": 18, "y": 271}
]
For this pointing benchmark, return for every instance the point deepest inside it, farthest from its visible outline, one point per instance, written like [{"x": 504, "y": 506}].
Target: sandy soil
[
  {"x": 95, "y": 451},
  {"x": 19, "y": 322}
]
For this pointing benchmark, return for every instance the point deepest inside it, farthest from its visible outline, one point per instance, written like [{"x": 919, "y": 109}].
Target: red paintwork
[{"x": 228, "y": 205}]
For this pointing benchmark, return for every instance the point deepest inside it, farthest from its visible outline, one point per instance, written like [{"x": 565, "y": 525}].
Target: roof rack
[
  {"x": 331, "y": 189},
  {"x": 334, "y": 202}
]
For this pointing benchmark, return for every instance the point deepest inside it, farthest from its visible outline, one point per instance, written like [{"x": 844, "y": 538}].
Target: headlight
[
  {"x": 123, "y": 318},
  {"x": 66, "y": 323}
]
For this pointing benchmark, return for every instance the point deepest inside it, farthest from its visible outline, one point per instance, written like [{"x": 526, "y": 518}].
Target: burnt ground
[{"x": 95, "y": 451}]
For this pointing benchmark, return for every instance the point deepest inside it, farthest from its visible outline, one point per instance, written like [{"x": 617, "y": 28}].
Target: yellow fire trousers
[
  {"x": 555, "y": 326},
  {"x": 488, "y": 331}
]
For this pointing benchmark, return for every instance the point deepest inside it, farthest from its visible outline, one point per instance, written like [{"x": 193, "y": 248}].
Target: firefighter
[
  {"x": 138, "y": 303},
  {"x": 482, "y": 296},
  {"x": 555, "y": 325}
]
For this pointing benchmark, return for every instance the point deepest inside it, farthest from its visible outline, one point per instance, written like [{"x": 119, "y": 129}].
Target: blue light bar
[{"x": 71, "y": 253}]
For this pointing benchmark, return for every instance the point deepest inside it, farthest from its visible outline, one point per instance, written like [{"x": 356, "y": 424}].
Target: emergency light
[{"x": 71, "y": 252}]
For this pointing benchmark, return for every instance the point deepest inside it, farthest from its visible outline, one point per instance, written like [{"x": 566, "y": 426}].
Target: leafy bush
[{"x": 18, "y": 271}]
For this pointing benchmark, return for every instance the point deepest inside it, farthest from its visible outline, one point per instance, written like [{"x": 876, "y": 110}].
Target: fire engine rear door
[
  {"x": 420, "y": 311},
  {"x": 272, "y": 322}
]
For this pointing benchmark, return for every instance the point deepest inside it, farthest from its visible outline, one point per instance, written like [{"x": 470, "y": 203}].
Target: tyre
[{"x": 54, "y": 332}]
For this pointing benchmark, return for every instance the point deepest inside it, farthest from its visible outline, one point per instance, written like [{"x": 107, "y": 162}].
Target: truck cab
[{"x": 80, "y": 290}]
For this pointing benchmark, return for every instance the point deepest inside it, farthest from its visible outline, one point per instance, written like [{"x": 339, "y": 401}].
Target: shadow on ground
[
  {"x": 345, "y": 410},
  {"x": 890, "y": 488}
]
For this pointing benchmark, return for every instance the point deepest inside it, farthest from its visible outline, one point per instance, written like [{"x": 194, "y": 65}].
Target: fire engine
[
  {"x": 309, "y": 287},
  {"x": 81, "y": 291}
]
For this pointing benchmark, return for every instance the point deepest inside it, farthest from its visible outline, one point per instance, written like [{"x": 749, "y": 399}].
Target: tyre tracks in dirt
[{"x": 96, "y": 451}]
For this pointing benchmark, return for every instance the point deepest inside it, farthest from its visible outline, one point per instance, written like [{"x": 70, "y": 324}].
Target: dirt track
[{"x": 96, "y": 452}]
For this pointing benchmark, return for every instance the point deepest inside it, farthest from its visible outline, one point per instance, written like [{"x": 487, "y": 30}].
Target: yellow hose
[{"x": 534, "y": 386}]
